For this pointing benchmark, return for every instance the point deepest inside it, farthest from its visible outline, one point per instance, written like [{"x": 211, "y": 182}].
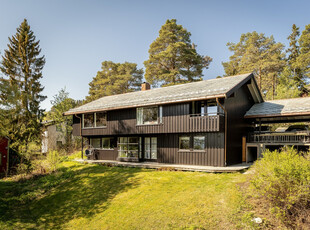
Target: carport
[{"x": 287, "y": 111}]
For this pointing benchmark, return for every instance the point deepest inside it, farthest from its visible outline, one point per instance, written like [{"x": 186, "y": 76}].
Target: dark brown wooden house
[{"x": 200, "y": 123}]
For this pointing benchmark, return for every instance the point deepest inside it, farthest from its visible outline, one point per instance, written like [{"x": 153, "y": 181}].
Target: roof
[
  {"x": 277, "y": 108},
  {"x": 207, "y": 89}
]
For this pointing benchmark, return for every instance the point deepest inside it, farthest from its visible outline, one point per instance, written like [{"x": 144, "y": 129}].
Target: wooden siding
[
  {"x": 213, "y": 155},
  {"x": 237, "y": 126}
]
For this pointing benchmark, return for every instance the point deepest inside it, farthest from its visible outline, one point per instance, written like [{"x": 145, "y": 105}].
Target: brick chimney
[{"x": 145, "y": 86}]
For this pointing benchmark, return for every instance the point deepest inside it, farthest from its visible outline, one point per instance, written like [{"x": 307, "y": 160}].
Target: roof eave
[
  {"x": 277, "y": 115},
  {"x": 150, "y": 104}
]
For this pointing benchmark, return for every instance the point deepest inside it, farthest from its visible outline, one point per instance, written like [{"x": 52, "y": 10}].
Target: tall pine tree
[
  {"x": 115, "y": 78},
  {"x": 173, "y": 59},
  {"x": 303, "y": 60},
  {"x": 259, "y": 54},
  {"x": 21, "y": 90}
]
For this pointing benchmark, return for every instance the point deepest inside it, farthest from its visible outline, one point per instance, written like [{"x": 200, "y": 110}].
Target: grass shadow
[{"x": 73, "y": 192}]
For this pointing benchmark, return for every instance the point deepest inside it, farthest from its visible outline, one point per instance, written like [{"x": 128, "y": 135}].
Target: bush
[
  {"x": 50, "y": 164},
  {"x": 282, "y": 181}
]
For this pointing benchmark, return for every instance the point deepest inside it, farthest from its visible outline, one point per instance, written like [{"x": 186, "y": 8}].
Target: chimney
[{"x": 145, "y": 86}]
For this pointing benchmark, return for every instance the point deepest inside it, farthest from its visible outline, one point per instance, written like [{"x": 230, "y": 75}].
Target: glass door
[{"x": 150, "y": 148}]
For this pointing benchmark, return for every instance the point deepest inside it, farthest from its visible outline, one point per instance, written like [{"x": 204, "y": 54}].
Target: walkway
[{"x": 155, "y": 165}]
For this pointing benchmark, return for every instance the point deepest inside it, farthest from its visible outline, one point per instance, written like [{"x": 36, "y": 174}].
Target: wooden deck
[{"x": 154, "y": 165}]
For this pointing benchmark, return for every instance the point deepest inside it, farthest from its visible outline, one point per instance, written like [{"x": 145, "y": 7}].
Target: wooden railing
[
  {"x": 203, "y": 122},
  {"x": 295, "y": 137}
]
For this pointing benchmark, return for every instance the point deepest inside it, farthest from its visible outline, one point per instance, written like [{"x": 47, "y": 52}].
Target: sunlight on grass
[{"x": 102, "y": 197}]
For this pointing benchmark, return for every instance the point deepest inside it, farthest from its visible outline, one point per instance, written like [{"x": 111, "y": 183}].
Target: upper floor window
[
  {"x": 203, "y": 108},
  {"x": 149, "y": 115},
  {"x": 91, "y": 120}
]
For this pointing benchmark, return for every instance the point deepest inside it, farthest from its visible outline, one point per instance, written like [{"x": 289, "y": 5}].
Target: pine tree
[
  {"x": 258, "y": 54},
  {"x": 115, "y": 78},
  {"x": 303, "y": 60},
  {"x": 173, "y": 59},
  {"x": 294, "y": 52},
  {"x": 22, "y": 69}
]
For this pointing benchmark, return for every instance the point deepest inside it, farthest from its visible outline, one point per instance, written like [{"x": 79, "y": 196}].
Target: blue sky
[{"x": 76, "y": 36}]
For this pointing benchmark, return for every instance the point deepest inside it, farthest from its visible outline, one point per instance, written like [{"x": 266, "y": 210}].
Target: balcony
[
  {"x": 302, "y": 137},
  {"x": 211, "y": 122}
]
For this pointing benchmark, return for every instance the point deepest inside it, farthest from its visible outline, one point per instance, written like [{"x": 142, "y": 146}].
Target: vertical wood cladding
[
  {"x": 213, "y": 155},
  {"x": 237, "y": 127},
  {"x": 176, "y": 119}
]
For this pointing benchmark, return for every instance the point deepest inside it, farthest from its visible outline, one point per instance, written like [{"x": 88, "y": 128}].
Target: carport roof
[{"x": 280, "y": 108}]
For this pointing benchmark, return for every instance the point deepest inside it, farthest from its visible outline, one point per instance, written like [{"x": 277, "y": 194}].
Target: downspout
[
  {"x": 80, "y": 133},
  {"x": 225, "y": 112}
]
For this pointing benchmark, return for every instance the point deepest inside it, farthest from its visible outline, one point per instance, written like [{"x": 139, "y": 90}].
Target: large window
[
  {"x": 95, "y": 143},
  {"x": 192, "y": 143},
  {"x": 88, "y": 120},
  {"x": 150, "y": 147},
  {"x": 203, "y": 108},
  {"x": 184, "y": 143},
  {"x": 199, "y": 142},
  {"x": 101, "y": 119},
  {"x": 149, "y": 115},
  {"x": 128, "y": 147},
  {"x": 107, "y": 143},
  {"x": 91, "y": 120}
]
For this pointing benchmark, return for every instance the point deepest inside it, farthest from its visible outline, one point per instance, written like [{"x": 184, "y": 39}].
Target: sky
[{"x": 76, "y": 36}]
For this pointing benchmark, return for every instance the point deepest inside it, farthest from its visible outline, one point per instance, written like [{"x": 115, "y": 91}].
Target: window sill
[
  {"x": 150, "y": 124},
  {"x": 102, "y": 127}
]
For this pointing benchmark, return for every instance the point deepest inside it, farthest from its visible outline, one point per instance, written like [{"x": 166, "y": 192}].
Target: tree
[
  {"x": 287, "y": 87},
  {"x": 115, "y": 78},
  {"x": 21, "y": 88},
  {"x": 303, "y": 60},
  {"x": 258, "y": 54},
  {"x": 173, "y": 59},
  {"x": 294, "y": 52},
  {"x": 62, "y": 103}
]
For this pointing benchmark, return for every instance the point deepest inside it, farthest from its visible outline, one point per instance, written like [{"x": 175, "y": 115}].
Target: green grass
[{"x": 98, "y": 197}]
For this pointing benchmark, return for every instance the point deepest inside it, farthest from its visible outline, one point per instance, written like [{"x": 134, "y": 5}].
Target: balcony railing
[
  {"x": 205, "y": 122},
  {"x": 286, "y": 137}
]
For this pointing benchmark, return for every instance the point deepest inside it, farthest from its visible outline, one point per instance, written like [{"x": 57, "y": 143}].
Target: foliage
[
  {"x": 21, "y": 88},
  {"x": 62, "y": 103},
  {"x": 303, "y": 60},
  {"x": 282, "y": 180},
  {"x": 172, "y": 57},
  {"x": 115, "y": 78},
  {"x": 259, "y": 54},
  {"x": 101, "y": 197},
  {"x": 287, "y": 86}
]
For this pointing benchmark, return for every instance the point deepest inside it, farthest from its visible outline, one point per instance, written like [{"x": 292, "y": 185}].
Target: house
[
  {"x": 53, "y": 137},
  {"x": 4, "y": 154},
  {"x": 199, "y": 123}
]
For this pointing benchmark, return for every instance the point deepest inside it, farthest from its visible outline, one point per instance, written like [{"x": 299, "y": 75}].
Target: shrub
[{"x": 282, "y": 181}]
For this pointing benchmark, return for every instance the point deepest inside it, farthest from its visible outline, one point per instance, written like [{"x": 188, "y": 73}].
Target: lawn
[{"x": 83, "y": 196}]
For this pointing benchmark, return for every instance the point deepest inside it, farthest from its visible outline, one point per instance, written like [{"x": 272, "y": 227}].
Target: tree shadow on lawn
[{"x": 86, "y": 191}]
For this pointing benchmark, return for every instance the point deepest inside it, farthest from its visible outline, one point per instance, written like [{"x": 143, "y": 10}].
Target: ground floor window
[
  {"x": 192, "y": 142},
  {"x": 107, "y": 143},
  {"x": 184, "y": 143},
  {"x": 150, "y": 148},
  {"x": 95, "y": 143},
  {"x": 128, "y": 147}
]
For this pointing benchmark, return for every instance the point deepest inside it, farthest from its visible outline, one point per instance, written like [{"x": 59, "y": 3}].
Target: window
[
  {"x": 101, "y": 119},
  {"x": 95, "y": 143},
  {"x": 199, "y": 142},
  {"x": 107, "y": 143},
  {"x": 212, "y": 108},
  {"x": 148, "y": 115},
  {"x": 88, "y": 120},
  {"x": 128, "y": 147},
  {"x": 184, "y": 143},
  {"x": 150, "y": 147}
]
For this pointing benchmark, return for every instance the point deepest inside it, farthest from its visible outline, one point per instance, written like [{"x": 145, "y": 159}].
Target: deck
[
  {"x": 155, "y": 165},
  {"x": 302, "y": 138}
]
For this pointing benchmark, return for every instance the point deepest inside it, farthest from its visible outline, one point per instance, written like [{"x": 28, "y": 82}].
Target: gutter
[{"x": 225, "y": 111}]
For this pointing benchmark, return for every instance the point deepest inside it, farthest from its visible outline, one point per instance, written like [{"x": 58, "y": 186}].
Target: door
[{"x": 150, "y": 149}]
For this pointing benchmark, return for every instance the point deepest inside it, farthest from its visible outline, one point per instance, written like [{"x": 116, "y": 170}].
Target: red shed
[{"x": 4, "y": 154}]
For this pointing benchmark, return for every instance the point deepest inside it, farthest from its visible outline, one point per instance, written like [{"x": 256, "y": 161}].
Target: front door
[{"x": 150, "y": 149}]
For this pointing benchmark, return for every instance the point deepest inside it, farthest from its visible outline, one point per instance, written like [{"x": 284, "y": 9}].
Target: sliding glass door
[{"x": 150, "y": 148}]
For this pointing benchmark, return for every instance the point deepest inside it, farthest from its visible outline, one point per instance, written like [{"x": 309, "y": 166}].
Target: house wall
[
  {"x": 176, "y": 119},
  {"x": 237, "y": 126},
  {"x": 168, "y": 150}
]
